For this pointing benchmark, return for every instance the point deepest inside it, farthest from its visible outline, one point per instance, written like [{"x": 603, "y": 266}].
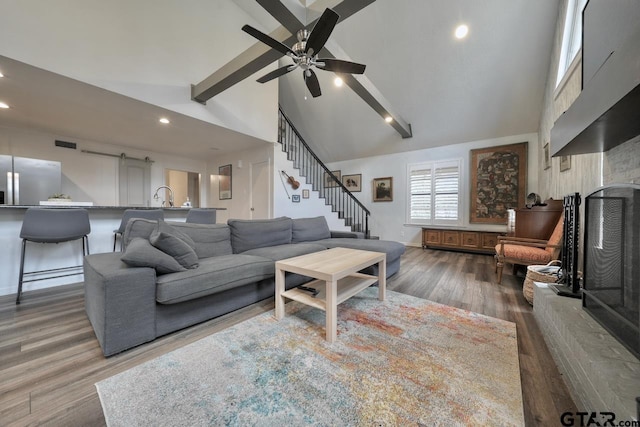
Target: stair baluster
[{"x": 316, "y": 173}]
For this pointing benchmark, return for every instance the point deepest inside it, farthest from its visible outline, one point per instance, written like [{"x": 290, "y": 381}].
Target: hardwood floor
[{"x": 50, "y": 358}]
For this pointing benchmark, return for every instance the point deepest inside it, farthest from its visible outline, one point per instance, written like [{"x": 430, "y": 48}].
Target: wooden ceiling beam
[{"x": 260, "y": 55}]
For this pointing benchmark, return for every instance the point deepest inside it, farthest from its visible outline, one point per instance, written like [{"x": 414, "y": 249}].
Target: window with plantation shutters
[
  {"x": 420, "y": 185},
  {"x": 434, "y": 193}
]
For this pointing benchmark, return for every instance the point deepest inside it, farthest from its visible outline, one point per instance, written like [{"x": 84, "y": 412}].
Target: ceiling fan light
[
  {"x": 338, "y": 81},
  {"x": 461, "y": 31}
]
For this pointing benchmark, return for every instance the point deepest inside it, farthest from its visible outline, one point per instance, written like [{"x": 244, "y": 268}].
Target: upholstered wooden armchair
[{"x": 524, "y": 251}]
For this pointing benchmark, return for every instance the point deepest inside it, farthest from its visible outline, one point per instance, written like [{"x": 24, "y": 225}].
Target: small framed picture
[
  {"x": 305, "y": 194},
  {"x": 295, "y": 198},
  {"x": 383, "y": 189},
  {"x": 329, "y": 182},
  {"x": 352, "y": 182},
  {"x": 224, "y": 186},
  {"x": 547, "y": 157},
  {"x": 565, "y": 163}
]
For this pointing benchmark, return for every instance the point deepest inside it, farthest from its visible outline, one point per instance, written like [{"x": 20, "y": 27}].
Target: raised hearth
[{"x": 601, "y": 374}]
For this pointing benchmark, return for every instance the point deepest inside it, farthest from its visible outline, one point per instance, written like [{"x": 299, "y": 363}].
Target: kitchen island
[{"x": 104, "y": 220}]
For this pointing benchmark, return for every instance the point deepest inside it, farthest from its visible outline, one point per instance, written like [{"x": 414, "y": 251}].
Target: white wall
[
  {"x": 585, "y": 174},
  {"x": 91, "y": 177},
  {"x": 388, "y": 219},
  {"x": 239, "y": 206},
  {"x": 146, "y": 49}
]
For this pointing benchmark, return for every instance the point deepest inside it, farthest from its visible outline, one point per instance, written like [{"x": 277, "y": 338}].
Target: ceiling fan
[{"x": 304, "y": 53}]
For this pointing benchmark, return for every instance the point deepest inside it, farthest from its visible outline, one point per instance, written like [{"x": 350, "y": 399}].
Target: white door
[
  {"x": 135, "y": 183},
  {"x": 260, "y": 190}
]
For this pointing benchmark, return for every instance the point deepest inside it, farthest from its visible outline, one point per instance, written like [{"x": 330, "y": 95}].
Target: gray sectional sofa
[{"x": 173, "y": 275}]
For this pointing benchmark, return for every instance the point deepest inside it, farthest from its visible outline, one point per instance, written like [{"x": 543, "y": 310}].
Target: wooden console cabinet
[{"x": 461, "y": 240}]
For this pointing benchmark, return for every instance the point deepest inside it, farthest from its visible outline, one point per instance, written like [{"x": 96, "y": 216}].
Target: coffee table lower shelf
[
  {"x": 338, "y": 274},
  {"x": 347, "y": 287}
]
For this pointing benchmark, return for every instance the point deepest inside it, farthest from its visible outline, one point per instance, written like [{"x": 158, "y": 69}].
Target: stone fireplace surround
[{"x": 601, "y": 374}]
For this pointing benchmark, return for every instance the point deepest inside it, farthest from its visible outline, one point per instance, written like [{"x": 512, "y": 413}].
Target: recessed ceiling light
[
  {"x": 337, "y": 81},
  {"x": 164, "y": 120},
  {"x": 3, "y": 105},
  {"x": 1, "y": 75},
  {"x": 388, "y": 119},
  {"x": 461, "y": 31}
]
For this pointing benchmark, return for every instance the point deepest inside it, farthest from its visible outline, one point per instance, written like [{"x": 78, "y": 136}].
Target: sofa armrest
[
  {"x": 120, "y": 302},
  {"x": 346, "y": 234}
]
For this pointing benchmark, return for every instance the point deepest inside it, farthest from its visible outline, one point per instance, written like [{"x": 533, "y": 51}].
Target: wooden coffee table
[{"x": 336, "y": 271}]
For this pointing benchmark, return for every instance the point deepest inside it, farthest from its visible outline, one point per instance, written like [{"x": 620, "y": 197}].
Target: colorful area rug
[{"x": 404, "y": 361}]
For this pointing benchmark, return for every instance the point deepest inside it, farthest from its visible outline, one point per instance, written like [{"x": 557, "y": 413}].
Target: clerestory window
[{"x": 571, "y": 36}]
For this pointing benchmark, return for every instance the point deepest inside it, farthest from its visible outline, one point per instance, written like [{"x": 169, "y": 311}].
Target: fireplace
[{"x": 612, "y": 262}]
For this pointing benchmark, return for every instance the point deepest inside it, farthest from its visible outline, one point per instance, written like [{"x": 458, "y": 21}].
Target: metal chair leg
[
  {"x": 85, "y": 246},
  {"x": 24, "y": 244},
  {"x": 115, "y": 239}
]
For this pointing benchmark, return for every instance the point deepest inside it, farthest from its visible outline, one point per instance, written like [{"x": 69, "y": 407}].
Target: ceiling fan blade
[
  {"x": 276, "y": 73},
  {"x": 312, "y": 83},
  {"x": 268, "y": 40},
  {"x": 321, "y": 31},
  {"x": 340, "y": 66}
]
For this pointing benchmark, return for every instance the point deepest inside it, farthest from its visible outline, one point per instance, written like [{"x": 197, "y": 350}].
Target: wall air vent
[{"x": 66, "y": 144}]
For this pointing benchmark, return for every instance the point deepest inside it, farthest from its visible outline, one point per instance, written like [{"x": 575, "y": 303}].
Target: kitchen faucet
[{"x": 155, "y": 196}]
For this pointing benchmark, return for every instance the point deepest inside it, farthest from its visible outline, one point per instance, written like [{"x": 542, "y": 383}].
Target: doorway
[{"x": 185, "y": 186}]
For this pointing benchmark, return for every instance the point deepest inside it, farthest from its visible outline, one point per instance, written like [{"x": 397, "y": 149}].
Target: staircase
[{"x": 316, "y": 174}]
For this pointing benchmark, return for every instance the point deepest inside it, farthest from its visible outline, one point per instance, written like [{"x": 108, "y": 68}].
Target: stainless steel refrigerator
[{"x": 26, "y": 182}]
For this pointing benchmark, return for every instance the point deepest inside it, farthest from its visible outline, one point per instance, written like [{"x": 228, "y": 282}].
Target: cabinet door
[
  {"x": 451, "y": 238},
  {"x": 432, "y": 237},
  {"x": 470, "y": 239},
  {"x": 489, "y": 240}
]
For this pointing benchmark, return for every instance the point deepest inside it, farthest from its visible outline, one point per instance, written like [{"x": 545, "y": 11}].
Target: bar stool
[
  {"x": 201, "y": 216},
  {"x": 152, "y": 214},
  {"x": 41, "y": 225}
]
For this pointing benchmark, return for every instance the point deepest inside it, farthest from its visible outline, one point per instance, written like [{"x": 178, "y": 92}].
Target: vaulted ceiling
[{"x": 489, "y": 85}]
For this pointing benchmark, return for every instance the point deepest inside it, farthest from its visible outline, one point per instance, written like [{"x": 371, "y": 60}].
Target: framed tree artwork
[
  {"x": 498, "y": 182},
  {"x": 383, "y": 189},
  {"x": 224, "y": 186}
]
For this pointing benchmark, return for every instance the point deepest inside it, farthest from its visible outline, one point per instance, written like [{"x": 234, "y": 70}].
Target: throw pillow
[
  {"x": 140, "y": 253},
  {"x": 175, "y": 243}
]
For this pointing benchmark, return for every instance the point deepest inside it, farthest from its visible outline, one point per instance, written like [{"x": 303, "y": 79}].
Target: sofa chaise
[{"x": 172, "y": 275}]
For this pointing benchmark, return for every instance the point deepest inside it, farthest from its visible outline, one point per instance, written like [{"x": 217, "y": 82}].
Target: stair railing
[{"x": 322, "y": 180}]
